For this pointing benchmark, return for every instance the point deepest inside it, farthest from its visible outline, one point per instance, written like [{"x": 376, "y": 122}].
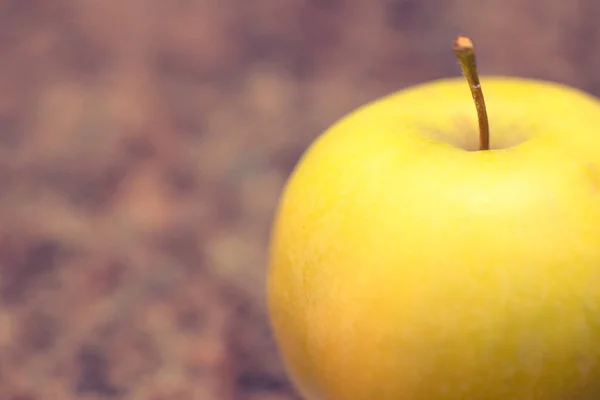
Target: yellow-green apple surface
[{"x": 408, "y": 264}]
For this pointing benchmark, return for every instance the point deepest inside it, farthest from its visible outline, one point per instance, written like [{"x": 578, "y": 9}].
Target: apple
[{"x": 427, "y": 249}]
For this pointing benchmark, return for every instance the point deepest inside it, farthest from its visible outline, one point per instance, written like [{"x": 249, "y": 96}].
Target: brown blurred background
[{"x": 143, "y": 146}]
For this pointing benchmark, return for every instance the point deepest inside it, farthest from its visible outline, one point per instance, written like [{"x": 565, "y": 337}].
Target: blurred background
[{"x": 143, "y": 147}]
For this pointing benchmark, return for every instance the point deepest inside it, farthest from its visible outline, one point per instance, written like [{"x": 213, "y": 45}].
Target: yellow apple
[{"x": 406, "y": 264}]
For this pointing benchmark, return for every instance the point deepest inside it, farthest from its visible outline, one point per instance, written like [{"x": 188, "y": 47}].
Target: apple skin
[{"x": 403, "y": 266}]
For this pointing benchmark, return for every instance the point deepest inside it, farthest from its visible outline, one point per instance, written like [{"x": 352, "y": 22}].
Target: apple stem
[{"x": 464, "y": 50}]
